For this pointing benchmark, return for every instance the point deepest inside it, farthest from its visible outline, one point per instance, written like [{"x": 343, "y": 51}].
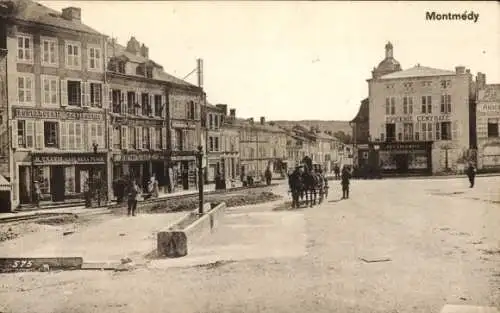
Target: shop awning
[{"x": 4, "y": 184}]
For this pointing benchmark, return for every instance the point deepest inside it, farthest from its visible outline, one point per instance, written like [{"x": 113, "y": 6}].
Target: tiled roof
[
  {"x": 363, "y": 112},
  {"x": 418, "y": 71},
  {"x": 240, "y": 122},
  {"x": 117, "y": 50},
  {"x": 30, "y": 11}
]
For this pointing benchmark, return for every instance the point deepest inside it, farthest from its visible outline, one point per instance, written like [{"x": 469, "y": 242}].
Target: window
[
  {"x": 407, "y": 105},
  {"x": 49, "y": 51},
  {"x": 139, "y": 70},
  {"x": 94, "y": 58},
  {"x": 44, "y": 179},
  {"x": 426, "y": 104},
  {"x": 445, "y": 131},
  {"x": 131, "y": 138},
  {"x": 445, "y": 103},
  {"x": 407, "y": 131},
  {"x": 25, "y": 48},
  {"x": 50, "y": 133},
  {"x": 50, "y": 91},
  {"x": 145, "y": 104},
  {"x": 96, "y": 135},
  {"x": 191, "y": 110},
  {"x": 70, "y": 178},
  {"x": 211, "y": 143},
  {"x": 73, "y": 55},
  {"x": 216, "y": 121},
  {"x": 426, "y": 131},
  {"x": 116, "y": 138},
  {"x": 131, "y": 102},
  {"x": 492, "y": 127},
  {"x": 149, "y": 72},
  {"x": 116, "y": 100},
  {"x": 390, "y": 106},
  {"x": 216, "y": 144},
  {"x": 121, "y": 67},
  {"x": 95, "y": 95},
  {"x": 74, "y": 93},
  {"x": 158, "y": 139},
  {"x": 25, "y": 134},
  {"x": 25, "y": 89},
  {"x": 145, "y": 138},
  {"x": 178, "y": 139},
  {"x": 210, "y": 121},
  {"x": 445, "y": 83},
  {"x": 158, "y": 105}
]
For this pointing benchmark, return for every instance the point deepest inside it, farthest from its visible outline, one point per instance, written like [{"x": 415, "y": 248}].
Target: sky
[{"x": 297, "y": 60}]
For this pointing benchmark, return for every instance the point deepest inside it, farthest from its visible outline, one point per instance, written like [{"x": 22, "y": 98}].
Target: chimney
[
  {"x": 460, "y": 69},
  {"x": 481, "y": 80},
  {"x": 232, "y": 113},
  {"x": 133, "y": 46},
  {"x": 72, "y": 14},
  {"x": 223, "y": 108},
  {"x": 145, "y": 51},
  {"x": 200, "y": 72},
  {"x": 262, "y": 120}
]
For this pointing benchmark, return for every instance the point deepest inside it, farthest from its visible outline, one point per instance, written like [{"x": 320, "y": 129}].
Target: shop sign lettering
[
  {"x": 433, "y": 118},
  {"x": 63, "y": 159},
  {"x": 489, "y": 107},
  {"x": 394, "y": 119},
  {"x": 140, "y": 157},
  {"x": 178, "y": 124},
  {"x": 403, "y": 146},
  {"x": 57, "y": 115}
]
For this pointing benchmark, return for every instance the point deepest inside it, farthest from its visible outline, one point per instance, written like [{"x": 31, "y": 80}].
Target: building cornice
[{"x": 56, "y": 29}]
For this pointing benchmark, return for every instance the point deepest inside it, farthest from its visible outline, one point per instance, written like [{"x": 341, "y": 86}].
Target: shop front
[
  {"x": 183, "y": 171},
  {"x": 61, "y": 177},
  {"x": 404, "y": 158},
  {"x": 141, "y": 166}
]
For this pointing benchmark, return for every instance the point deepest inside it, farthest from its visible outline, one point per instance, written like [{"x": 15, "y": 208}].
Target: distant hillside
[{"x": 333, "y": 126}]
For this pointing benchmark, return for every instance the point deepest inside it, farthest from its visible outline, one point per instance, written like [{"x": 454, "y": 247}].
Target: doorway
[
  {"x": 25, "y": 184},
  {"x": 185, "y": 174},
  {"x": 401, "y": 162},
  {"x": 57, "y": 183}
]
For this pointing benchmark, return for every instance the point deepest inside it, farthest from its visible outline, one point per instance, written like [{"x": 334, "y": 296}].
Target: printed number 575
[{"x": 22, "y": 264}]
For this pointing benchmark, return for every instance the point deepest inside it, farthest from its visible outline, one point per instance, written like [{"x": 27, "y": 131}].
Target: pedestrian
[
  {"x": 133, "y": 194},
  {"x": 269, "y": 175},
  {"x": 336, "y": 169},
  {"x": 295, "y": 184},
  {"x": 345, "y": 180},
  {"x": 37, "y": 193},
  {"x": 153, "y": 188},
  {"x": 471, "y": 173}
]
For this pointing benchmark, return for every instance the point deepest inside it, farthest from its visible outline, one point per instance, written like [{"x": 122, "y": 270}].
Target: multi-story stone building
[
  {"x": 138, "y": 112},
  {"x": 262, "y": 145},
  {"x": 419, "y": 116},
  {"x": 57, "y": 100},
  {"x": 222, "y": 143},
  {"x": 487, "y": 123}
]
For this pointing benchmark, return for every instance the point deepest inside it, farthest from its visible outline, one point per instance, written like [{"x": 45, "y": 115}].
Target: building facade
[
  {"x": 419, "y": 117},
  {"x": 487, "y": 123},
  {"x": 57, "y": 100},
  {"x": 138, "y": 115}
]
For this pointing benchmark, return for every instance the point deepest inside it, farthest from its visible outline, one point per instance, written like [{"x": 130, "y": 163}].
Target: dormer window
[
  {"x": 149, "y": 72},
  {"x": 140, "y": 70},
  {"x": 121, "y": 67}
]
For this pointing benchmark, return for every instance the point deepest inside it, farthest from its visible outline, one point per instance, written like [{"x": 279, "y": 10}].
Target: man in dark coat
[
  {"x": 295, "y": 184},
  {"x": 345, "y": 180},
  {"x": 471, "y": 173},
  {"x": 336, "y": 170}
]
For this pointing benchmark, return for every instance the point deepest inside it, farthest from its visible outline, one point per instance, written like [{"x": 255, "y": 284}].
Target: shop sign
[
  {"x": 183, "y": 158},
  {"x": 490, "y": 93},
  {"x": 394, "y": 119},
  {"x": 68, "y": 159},
  {"x": 56, "y": 115},
  {"x": 183, "y": 124},
  {"x": 433, "y": 118},
  {"x": 401, "y": 146},
  {"x": 138, "y": 157},
  {"x": 489, "y": 108}
]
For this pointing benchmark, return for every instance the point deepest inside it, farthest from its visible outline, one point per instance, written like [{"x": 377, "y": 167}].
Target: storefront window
[
  {"x": 44, "y": 179},
  {"x": 69, "y": 177}
]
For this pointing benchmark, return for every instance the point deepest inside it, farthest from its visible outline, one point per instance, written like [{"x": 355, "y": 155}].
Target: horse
[{"x": 313, "y": 187}]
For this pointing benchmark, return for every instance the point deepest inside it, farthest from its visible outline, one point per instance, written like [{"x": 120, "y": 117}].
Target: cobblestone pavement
[{"x": 439, "y": 236}]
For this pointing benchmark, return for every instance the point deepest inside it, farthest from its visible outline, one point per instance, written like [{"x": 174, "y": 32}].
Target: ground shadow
[
  {"x": 335, "y": 200},
  {"x": 287, "y": 206}
]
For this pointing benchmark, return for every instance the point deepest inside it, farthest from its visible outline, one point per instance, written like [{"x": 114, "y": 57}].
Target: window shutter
[
  {"x": 43, "y": 78},
  {"x": 138, "y": 100},
  {"x": 141, "y": 138},
  {"x": 124, "y": 137},
  {"x": 137, "y": 146},
  {"x": 14, "y": 134},
  {"x": 454, "y": 132},
  {"x": 111, "y": 134},
  {"x": 101, "y": 136},
  {"x": 164, "y": 138},
  {"x": 64, "y": 92},
  {"x": 185, "y": 139},
  {"x": 63, "y": 134},
  {"x": 151, "y": 105},
  {"x": 84, "y": 90},
  {"x": 78, "y": 136},
  {"x": 123, "y": 99},
  {"x": 106, "y": 99},
  {"x": 163, "y": 106},
  {"x": 39, "y": 131},
  {"x": 86, "y": 136},
  {"x": 152, "y": 138},
  {"x": 30, "y": 133}
]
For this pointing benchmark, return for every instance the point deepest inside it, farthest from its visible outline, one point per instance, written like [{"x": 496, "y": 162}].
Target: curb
[
  {"x": 175, "y": 242},
  {"x": 449, "y": 308}
]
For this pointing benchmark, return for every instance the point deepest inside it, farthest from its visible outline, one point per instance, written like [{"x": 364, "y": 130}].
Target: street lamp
[{"x": 199, "y": 156}]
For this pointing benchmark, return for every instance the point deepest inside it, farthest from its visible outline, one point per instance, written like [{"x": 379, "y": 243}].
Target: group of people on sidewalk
[{"x": 133, "y": 192}]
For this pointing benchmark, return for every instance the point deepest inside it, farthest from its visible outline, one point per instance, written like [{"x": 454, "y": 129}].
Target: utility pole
[{"x": 200, "y": 179}]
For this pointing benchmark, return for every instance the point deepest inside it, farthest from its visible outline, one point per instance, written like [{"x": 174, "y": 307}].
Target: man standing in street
[
  {"x": 345, "y": 180},
  {"x": 336, "y": 169},
  {"x": 471, "y": 173},
  {"x": 133, "y": 194}
]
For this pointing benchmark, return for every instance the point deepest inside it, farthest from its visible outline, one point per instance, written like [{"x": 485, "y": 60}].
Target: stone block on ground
[{"x": 172, "y": 244}]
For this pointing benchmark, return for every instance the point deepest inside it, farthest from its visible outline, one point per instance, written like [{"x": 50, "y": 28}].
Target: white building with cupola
[{"x": 419, "y": 119}]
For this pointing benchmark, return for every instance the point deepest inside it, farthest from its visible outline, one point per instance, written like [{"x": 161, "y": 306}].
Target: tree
[{"x": 343, "y": 137}]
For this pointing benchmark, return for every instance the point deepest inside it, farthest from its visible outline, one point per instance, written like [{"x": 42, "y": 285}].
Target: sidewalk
[{"x": 108, "y": 241}]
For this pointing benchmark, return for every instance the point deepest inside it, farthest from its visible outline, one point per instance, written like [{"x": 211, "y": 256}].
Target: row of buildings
[
  {"x": 75, "y": 105},
  {"x": 425, "y": 120}
]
